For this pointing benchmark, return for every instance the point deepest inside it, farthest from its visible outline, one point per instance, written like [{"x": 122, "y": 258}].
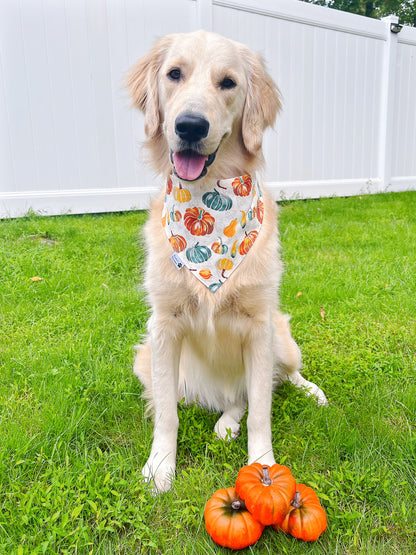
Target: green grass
[{"x": 73, "y": 436}]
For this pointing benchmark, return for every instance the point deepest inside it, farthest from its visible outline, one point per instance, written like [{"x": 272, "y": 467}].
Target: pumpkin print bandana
[{"x": 211, "y": 229}]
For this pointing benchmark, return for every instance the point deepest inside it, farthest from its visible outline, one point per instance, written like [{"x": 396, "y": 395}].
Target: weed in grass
[{"x": 73, "y": 436}]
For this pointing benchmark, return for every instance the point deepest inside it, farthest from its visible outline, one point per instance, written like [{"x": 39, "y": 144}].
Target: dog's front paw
[
  {"x": 227, "y": 427},
  {"x": 159, "y": 471}
]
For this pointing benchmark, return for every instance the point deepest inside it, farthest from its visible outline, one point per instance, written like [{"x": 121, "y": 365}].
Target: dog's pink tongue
[{"x": 189, "y": 164}]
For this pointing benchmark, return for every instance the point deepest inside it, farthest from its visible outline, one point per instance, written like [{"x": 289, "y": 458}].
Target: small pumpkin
[
  {"x": 214, "y": 286},
  {"x": 242, "y": 186},
  {"x": 177, "y": 242},
  {"x": 267, "y": 491},
  {"x": 198, "y": 221},
  {"x": 218, "y": 247},
  {"x": 260, "y": 210},
  {"x": 243, "y": 219},
  {"x": 217, "y": 201},
  {"x": 175, "y": 215},
  {"x": 230, "y": 229},
  {"x": 247, "y": 242},
  {"x": 228, "y": 521},
  {"x": 225, "y": 264},
  {"x": 234, "y": 250},
  {"x": 169, "y": 186},
  {"x": 198, "y": 253},
  {"x": 306, "y": 519},
  {"x": 182, "y": 195},
  {"x": 205, "y": 273}
]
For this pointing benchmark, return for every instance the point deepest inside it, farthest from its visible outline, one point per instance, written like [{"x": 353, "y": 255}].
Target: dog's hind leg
[
  {"x": 309, "y": 387},
  {"x": 228, "y": 426},
  {"x": 288, "y": 360}
]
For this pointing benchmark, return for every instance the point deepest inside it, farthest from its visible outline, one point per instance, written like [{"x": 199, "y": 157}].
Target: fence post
[
  {"x": 204, "y": 14},
  {"x": 387, "y": 103}
]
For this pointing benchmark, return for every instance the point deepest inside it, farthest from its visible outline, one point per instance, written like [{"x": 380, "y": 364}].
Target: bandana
[{"x": 211, "y": 229}]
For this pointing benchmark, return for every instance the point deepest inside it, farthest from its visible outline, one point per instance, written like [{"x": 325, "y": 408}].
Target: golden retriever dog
[{"x": 207, "y": 101}]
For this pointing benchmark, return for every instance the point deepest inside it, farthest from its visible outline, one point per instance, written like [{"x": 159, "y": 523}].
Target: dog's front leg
[
  {"x": 165, "y": 353},
  {"x": 258, "y": 362}
]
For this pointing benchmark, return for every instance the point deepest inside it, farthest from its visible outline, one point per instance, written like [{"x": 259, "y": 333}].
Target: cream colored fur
[{"x": 225, "y": 349}]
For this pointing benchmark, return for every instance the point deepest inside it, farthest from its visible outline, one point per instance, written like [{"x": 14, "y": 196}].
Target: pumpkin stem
[
  {"x": 267, "y": 481},
  {"x": 296, "y": 501},
  {"x": 238, "y": 505}
]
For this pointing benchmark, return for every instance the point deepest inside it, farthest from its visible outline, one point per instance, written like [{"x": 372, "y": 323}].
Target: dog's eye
[
  {"x": 174, "y": 74},
  {"x": 227, "y": 83}
]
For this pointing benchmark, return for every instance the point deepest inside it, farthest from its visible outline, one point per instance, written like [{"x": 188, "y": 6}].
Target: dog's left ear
[{"x": 262, "y": 103}]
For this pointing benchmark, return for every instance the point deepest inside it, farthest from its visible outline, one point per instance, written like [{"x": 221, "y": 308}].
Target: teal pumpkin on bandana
[
  {"x": 217, "y": 201},
  {"x": 198, "y": 253}
]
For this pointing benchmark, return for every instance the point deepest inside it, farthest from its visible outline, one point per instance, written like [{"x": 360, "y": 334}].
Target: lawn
[{"x": 73, "y": 436}]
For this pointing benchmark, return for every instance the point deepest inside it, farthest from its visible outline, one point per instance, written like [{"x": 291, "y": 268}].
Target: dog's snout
[{"x": 191, "y": 127}]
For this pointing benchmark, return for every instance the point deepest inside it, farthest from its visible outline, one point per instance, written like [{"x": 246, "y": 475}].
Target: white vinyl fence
[{"x": 69, "y": 141}]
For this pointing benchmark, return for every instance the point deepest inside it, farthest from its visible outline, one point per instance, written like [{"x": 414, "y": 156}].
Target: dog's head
[{"x": 206, "y": 101}]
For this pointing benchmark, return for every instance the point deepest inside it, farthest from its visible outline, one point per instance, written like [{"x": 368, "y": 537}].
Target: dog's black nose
[{"x": 191, "y": 127}]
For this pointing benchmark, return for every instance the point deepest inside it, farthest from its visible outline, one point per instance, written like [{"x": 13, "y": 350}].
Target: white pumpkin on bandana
[{"x": 211, "y": 229}]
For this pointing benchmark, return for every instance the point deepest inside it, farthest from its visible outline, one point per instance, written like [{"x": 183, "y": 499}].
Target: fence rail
[{"x": 70, "y": 143}]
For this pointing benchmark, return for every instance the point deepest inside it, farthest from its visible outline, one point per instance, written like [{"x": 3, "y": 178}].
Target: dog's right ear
[{"x": 142, "y": 84}]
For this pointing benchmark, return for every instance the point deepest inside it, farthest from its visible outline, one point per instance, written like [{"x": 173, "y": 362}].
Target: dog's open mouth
[{"x": 189, "y": 165}]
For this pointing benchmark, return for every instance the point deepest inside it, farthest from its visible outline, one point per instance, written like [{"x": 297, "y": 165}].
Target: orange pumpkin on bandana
[{"x": 198, "y": 221}]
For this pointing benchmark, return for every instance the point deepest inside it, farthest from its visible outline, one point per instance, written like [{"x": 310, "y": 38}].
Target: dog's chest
[
  {"x": 213, "y": 321},
  {"x": 216, "y": 338}
]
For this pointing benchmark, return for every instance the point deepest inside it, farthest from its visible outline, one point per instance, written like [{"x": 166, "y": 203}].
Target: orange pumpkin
[
  {"x": 198, "y": 221},
  {"x": 267, "y": 491},
  {"x": 306, "y": 519},
  {"x": 228, "y": 521},
  {"x": 205, "y": 273},
  {"x": 260, "y": 210},
  {"x": 248, "y": 242},
  {"x": 169, "y": 186},
  {"x": 242, "y": 186},
  {"x": 181, "y": 194},
  {"x": 225, "y": 264},
  {"x": 175, "y": 215},
  {"x": 178, "y": 242},
  {"x": 218, "y": 247}
]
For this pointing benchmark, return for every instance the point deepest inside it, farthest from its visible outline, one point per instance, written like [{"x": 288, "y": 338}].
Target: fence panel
[
  {"x": 403, "y": 174},
  {"x": 327, "y": 70},
  {"x": 69, "y": 141}
]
